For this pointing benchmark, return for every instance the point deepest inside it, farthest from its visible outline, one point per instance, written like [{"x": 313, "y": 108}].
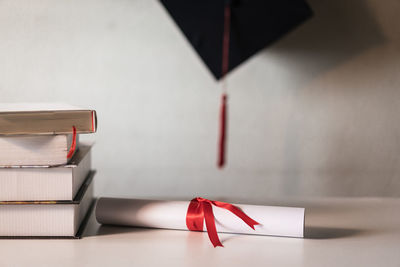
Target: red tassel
[
  {"x": 225, "y": 67},
  {"x": 222, "y": 132}
]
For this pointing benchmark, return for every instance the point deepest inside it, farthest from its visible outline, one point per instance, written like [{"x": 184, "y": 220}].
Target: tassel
[
  {"x": 222, "y": 132},
  {"x": 225, "y": 67}
]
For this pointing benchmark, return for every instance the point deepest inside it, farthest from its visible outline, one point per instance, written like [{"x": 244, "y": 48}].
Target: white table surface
[{"x": 339, "y": 232}]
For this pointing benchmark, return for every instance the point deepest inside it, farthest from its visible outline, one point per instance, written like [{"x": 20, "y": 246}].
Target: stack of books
[{"x": 46, "y": 181}]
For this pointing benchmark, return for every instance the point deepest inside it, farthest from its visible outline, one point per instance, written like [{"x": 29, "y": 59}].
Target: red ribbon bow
[{"x": 200, "y": 209}]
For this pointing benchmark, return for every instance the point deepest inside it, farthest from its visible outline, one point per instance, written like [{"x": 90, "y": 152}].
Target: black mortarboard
[
  {"x": 254, "y": 25},
  {"x": 225, "y": 33}
]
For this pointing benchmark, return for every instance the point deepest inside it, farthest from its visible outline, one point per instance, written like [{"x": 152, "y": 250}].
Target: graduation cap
[
  {"x": 225, "y": 33},
  {"x": 255, "y": 24}
]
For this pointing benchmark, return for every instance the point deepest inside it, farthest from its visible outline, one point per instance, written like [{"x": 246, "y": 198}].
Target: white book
[
  {"x": 45, "y": 119},
  {"x": 35, "y": 150},
  {"x": 36, "y": 106},
  {"x": 34, "y": 183},
  {"x": 47, "y": 219}
]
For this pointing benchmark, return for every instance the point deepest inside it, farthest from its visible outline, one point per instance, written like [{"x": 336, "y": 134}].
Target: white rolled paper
[{"x": 276, "y": 221}]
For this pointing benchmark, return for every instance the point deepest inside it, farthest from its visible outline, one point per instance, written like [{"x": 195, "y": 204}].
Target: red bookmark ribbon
[
  {"x": 73, "y": 145},
  {"x": 200, "y": 209}
]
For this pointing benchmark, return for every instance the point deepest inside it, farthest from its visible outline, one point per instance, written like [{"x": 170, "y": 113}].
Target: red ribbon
[
  {"x": 73, "y": 145},
  {"x": 200, "y": 209}
]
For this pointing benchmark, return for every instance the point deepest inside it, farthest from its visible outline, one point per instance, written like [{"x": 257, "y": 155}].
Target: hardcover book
[
  {"x": 45, "y": 118},
  {"x": 47, "y": 218},
  {"x": 35, "y": 150},
  {"x": 35, "y": 183}
]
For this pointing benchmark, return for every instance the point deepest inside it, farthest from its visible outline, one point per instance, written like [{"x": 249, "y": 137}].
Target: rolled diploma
[{"x": 276, "y": 221}]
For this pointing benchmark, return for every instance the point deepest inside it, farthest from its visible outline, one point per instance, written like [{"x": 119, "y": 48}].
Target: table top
[{"x": 339, "y": 232}]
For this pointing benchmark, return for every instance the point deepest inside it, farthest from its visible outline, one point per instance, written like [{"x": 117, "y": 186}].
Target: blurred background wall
[{"x": 315, "y": 114}]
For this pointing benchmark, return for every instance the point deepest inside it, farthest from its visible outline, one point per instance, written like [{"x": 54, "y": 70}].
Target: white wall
[{"x": 317, "y": 113}]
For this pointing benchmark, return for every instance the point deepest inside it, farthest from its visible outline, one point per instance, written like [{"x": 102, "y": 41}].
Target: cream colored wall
[{"x": 317, "y": 113}]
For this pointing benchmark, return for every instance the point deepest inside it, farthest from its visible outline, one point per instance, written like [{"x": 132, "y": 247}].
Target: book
[
  {"x": 47, "y": 218},
  {"x": 35, "y": 150},
  {"x": 45, "y": 118},
  {"x": 34, "y": 183}
]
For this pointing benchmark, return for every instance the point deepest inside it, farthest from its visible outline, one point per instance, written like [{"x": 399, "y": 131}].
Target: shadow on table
[
  {"x": 112, "y": 229},
  {"x": 313, "y": 232},
  {"x": 104, "y": 230},
  {"x": 309, "y": 232}
]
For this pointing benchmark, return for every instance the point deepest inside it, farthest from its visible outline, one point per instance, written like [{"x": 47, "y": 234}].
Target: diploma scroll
[{"x": 275, "y": 221}]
